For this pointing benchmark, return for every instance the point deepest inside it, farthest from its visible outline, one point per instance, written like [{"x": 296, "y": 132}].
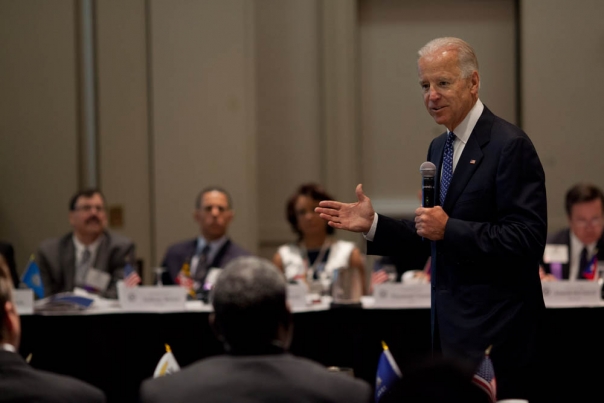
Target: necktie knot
[{"x": 447, "y": 171}]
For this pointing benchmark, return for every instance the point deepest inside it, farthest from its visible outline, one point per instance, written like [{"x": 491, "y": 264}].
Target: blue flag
[
  {"x": 31, "y": 278},
  {"x": 388, "y": 373}
]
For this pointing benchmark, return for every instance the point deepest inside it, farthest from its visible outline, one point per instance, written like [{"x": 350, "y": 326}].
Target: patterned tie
[
  {"x": 447, "y": 172},
  {"x": 202, "y": 264},
  {"x": 582, "y": 263},
  {"x": 82, "y": 268}
]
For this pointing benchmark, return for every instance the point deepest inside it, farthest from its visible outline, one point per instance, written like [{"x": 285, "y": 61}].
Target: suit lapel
[
  {"x": 470, "y": 159},
  {"x": 102, "y": 254},
  {"x": 68, "y": 262}
]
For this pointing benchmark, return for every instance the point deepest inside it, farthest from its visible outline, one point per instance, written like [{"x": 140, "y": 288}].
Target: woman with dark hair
[{"x": 316, "y": 255}]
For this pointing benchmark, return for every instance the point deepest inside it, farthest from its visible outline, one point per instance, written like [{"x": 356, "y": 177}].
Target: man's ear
[{"x": 11, "y": 324}]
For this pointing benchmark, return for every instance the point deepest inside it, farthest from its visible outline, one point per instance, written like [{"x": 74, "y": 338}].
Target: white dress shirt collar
[
  {"x": 8, "y": 347},
  {"x": 80, "y": 247}
]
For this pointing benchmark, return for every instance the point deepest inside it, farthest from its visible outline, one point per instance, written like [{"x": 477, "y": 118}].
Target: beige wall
[
  {"x": 38, "y": 121},
  {"x": 259, "y": 96},
  {"x": 562, "y": 59}
]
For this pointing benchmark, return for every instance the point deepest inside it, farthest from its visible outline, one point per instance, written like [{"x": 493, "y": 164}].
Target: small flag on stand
[
  {"x": 388, "y": 373},
  {"x": 184, "y": 279},
  {"x": 32, "y": 279},
  {"x": 167, "y": 364},
  {"x": 484, "y": 377},
  {"x": 131, "y": 277},
  {"x": 591, "y": 271}
]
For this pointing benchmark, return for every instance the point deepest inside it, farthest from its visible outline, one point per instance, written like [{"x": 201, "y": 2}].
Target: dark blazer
[
  {"x": 252, "y": 379},
  {"x": 6, "y": 250},
  {"x": 56, "y": 258},
  {"x": 563, "y": 238},
  {"x": 182, "y": 252},
  {"x": 19, "y": 382},
  {"x": 485, "y": 272}
]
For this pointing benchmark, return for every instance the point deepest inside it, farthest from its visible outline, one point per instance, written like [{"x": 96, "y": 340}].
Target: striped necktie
[{"x": 82, "y": 268}]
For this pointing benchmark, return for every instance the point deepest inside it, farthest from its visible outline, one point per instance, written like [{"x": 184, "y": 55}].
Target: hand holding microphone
[{"x": 430, "y": 221}]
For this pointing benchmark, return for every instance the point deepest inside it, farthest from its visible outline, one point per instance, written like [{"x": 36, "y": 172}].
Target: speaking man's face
[{"x": 447, "y": 96}]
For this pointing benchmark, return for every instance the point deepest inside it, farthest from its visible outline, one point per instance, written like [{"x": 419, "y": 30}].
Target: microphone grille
[{"x": 427, "y": 169}]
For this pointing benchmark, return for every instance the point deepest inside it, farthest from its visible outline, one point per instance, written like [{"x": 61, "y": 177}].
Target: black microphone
[{"x": 428, "y": 170}]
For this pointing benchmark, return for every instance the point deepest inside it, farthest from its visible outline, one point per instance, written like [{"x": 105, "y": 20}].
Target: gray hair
[
  {"x": 468, "y": 63},
  {"x": 249, "y": 300}
]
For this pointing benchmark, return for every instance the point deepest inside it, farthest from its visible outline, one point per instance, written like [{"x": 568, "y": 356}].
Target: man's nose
[{"x": 433, "y": 93}]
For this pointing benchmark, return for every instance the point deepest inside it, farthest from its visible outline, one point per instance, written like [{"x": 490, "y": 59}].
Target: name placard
[
  {"x": 24, "y": 301},
  {"x": 399, "y": 295},
  {"x": 571, "y": 293},
  {"x": 152, "y": 299},
  {"x": 296, "y": 295}
]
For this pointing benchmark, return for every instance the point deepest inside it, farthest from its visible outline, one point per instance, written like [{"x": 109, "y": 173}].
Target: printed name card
[
  {"x": 152, "y": 299},
  {"x": 296, "y": 295},
  {"x": 399, "y": 295},
  {"x": 24, "y": 301},
  {"x": 571, "y": 293}
]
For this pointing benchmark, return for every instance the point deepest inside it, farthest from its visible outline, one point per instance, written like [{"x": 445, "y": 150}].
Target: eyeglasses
[
  {"x": 88, "y": 207},
  {"x": 594, "y": 222}
]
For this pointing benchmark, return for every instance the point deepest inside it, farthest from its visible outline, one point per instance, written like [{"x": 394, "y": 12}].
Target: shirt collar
[
  {"x": 214, "y": 245},
  {"x": 92, "y": 247},
  {"x": 577, "y": 246},
  {"x": 8, "y": 347},
  {"x": 464, "y": 129}
]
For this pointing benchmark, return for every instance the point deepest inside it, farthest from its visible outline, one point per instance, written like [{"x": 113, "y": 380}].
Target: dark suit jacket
[
  {"x": 56, "y": 258},
  {"x": 19, "y": 382},
  {"x": 485, "y": 278},
  {"x": 563, "y": 238},
  {"x": 8, "y": 252},
  {"x": 182, "y": 252},
  {"x": 257, "y": 378}
]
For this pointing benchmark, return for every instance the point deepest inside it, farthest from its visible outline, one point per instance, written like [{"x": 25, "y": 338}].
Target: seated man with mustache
[{"x": 89, "y": 257}]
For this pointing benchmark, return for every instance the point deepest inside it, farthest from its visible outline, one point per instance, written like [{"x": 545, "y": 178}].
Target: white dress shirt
[
  {"x": 80, "y": 247},
  {"x": 214, "y": 248},
  {"x": 576, "y": 247}
]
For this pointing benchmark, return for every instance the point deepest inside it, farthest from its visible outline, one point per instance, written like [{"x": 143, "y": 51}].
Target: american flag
[
  {"x": 591, "y": 271},
  {"x": 131, "y": 277},
  {"x": 484, "y": 377}
]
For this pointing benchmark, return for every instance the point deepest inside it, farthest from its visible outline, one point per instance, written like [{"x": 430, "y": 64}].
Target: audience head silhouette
[{"x": 251, "y": 315}]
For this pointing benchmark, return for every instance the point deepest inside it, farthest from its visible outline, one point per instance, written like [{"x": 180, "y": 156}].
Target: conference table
[{"x": 116, "y": 350}]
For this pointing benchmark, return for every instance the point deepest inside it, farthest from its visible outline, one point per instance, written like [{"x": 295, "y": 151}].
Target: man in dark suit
[
  {"x": 90, "y": 257},
  {"x": 486, "y": 233},
  {"x": 8, "y": 253},
  {"x": 252, "y": 319},
  {"x": 569, "y": 251},
  {"x": 212, "y": 248},
  {"x": 19, "y": 382}
]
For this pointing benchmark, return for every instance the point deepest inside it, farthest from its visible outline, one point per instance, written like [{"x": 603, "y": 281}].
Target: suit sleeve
[
  {"x": 45, "y": 273},
  {"x": 125, "y": 253},
  {"x": 519, "y": 227}
]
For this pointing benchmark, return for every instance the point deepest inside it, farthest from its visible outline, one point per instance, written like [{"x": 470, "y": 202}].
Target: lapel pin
[{"x": 472, "y": 161}]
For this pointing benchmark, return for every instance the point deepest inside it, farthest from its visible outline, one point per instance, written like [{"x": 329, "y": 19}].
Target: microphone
[{"x": 428, "y": 170}]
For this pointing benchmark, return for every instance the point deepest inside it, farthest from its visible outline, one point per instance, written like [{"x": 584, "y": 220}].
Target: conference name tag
[
  {"x": 151, "y": 298},
  {"x": 399, "y": 295},
  {"x": 571, "y": 293},
  {"x": 96, "y": 279},
  {"x": 24, "y": 301},
  {"x": 296, "y": 295},
  {"x": 555, "y": 253}
]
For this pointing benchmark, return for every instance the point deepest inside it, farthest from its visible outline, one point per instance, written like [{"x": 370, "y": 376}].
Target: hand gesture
[{"x": 355, "y": 217}]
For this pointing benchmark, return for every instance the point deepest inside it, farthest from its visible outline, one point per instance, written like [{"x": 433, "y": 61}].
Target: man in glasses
[
  {"x": 89, "y": 257},
  {"x": 570, "y": 253}
]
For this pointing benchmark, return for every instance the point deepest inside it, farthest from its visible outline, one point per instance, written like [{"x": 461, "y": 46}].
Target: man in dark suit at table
[
  {"x": 253, "y": 320},
  {"x": 569, "y": 251},
  {"x": 90, "y": 256},
  {"x": 212, "y": 248},
  {"x": 8, "y": 253},
  {"x": 19, "y": 382},
  {"x": 486, "y": 233}
]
